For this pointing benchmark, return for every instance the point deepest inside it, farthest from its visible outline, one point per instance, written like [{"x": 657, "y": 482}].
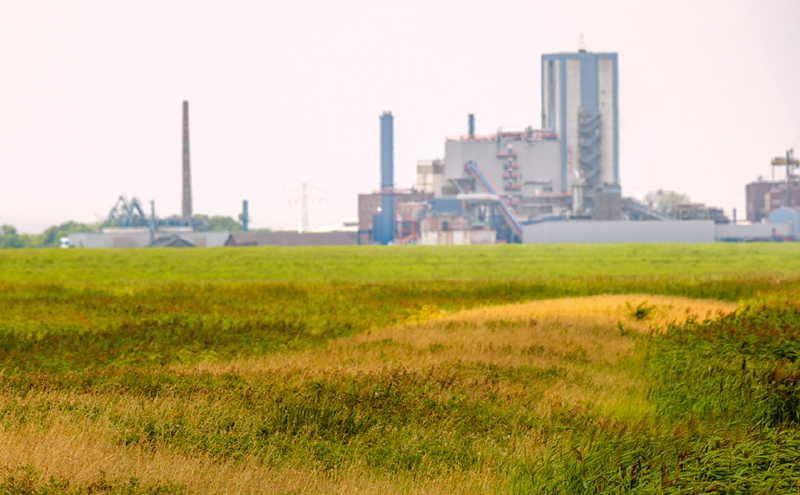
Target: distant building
[
  {"x": 430, "y": 176},
  {"x": 569, "y": 167},
  {"x": 443, "y": 230},
  {"x": 698, "y": 211},
  {"x": 370, "y": 206},
  {"x": 580, "y": 103},
  {"x": 755, "y": 194},
  {"x": 600, "y": 232},
  {"x": 173, "y": 240},
  {"x": 691, "y": 231},
  {"x": 777, "y": 197},
  {"x": 607, "y": 203},
  {"x": 521, "y": 164},
  {"x": 139, "y": 238},
  {"x": 287, "y": 238}
]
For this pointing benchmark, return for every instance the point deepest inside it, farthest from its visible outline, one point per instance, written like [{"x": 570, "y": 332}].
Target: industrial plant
[
  {"x": 777, "y": 202},
  {"x": 559, "y": 182},
  {"x": 556, "y": 183},
  {"x": 130, "y": 224}
]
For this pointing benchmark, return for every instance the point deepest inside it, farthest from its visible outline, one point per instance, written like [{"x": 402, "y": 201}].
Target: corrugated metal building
[
  {"x": 284, "y": 238},
  {"x": 700, "y": 231}
]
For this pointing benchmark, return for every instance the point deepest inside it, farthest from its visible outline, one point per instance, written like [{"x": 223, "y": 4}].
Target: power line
[{"x": 304, "y": 193}]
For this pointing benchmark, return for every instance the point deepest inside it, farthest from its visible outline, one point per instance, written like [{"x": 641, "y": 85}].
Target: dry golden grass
[
  {"x": 79, "y": 450},
  {"x": 580, "y": 336},
  {"x": 539, "y": 333}
]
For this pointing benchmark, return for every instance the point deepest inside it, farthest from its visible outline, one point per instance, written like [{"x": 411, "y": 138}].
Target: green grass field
[
  {"x": 502, "y": 369},
  {"x": 397, "y": 263}
]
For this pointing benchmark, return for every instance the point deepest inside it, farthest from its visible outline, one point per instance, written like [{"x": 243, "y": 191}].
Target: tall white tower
[{"x": 580, "y": 103}]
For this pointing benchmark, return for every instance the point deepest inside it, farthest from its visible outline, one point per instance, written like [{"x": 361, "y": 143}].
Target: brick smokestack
[{"x": 187, "y": 173}]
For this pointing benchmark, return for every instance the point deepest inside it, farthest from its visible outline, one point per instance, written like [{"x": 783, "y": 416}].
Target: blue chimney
[
  {"x": 387, "y": 151},
  {"x": 383, "y": 232}
]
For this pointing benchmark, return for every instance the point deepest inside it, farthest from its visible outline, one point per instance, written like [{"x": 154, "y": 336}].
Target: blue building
[{"x": 580, "y": 103}]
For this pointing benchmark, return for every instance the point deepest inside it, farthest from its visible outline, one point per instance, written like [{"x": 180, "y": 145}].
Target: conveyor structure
[{"x": 508, "y": 215}]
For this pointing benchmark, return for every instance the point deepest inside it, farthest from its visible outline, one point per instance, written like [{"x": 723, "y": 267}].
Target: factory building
[
  {"x": 691, "y": 231},
  {"x": 559, "y": 183},
  {"x": 430, "y": 176},
  {"x": 764, "y": 197},
  {"x": 567, "y": 169},
  {"x": 522, "y": 165},
  {"x": 755, "y": 194},
  {"x": 779, "y": 197},
  {"x": 580, "y": 103},
  {"x": 283, "y": 238},
  {"x": 410, "y": 207}
]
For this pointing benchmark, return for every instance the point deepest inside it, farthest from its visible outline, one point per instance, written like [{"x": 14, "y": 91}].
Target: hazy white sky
[{"x": 91, "y": 92}]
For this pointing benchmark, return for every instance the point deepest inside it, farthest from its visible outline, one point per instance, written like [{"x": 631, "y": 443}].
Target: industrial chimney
[
  {"x": 187, "y": 173},
  {"x": 385, "y": 227},
  {"x": 387, "y": 151}
]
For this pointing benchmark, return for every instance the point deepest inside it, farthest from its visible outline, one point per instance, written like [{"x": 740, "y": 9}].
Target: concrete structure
[
  {"x": 430, "y": 177},
  {"x": 521, "y": 167},
  {"x": 789, "y": 217},
  {"x": 485, "y": 236},
  {"x": 580, "y": 102},
  {"x": 139, "y": 238},
  {"x": 286, "y": 238},
  {"x": 444, "y": 230},
  {"x": 648, "y": 231},
  {"x": 517, "y": 162},
  {"x": 619, "y": 232},
  {"x": 607, "y": 203}
]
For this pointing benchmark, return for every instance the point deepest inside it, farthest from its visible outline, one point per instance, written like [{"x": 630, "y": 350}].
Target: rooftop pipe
[{"x": 472, "y": 126}]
